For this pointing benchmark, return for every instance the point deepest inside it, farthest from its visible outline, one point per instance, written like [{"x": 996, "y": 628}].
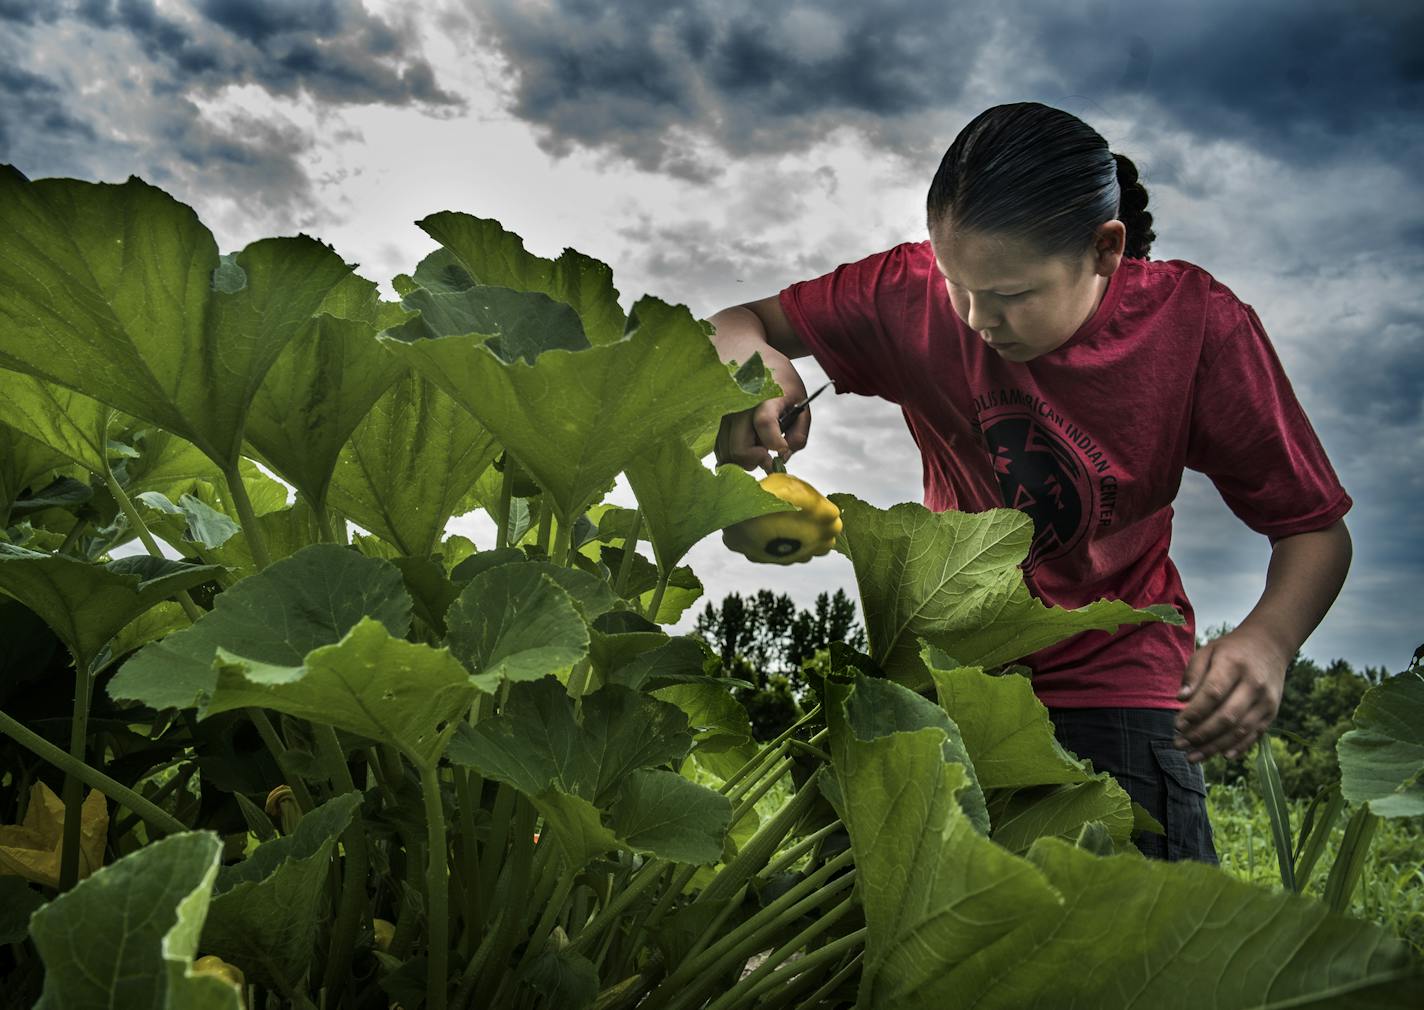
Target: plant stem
[
  {"x": 178, "y": 780},
  {"x": 630, "y": 547},
  {"x": 353, "y": 911},
  {"x": 563, "y": 544},
  {"x": 269, "y": 736},
  {"x": 240, "y": 501},
  {"x": 436, "y": 893},
  {"x": 637, "y": 884},
  {"x": 819, "y": 996},
  {"x": 768, "y": 976},
  {"x": 468, "y": 786},
  {"x": 506, "y": 502},
  {"x": 152, "y": 814},
  {"x": 126, "y": 504},
  {"x": 75, "y": 531},
  {"x": 787, "y": 908},
  {"x": 758, "y": 981},
  {"x": 546, "y": 522},
  {"x": 73, "y": 787},
  {"x": 323, "y": 523},
  {"x": 657, "y": 600}
]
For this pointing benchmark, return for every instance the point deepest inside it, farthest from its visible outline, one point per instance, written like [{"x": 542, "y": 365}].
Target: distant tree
[{"x": 766, "y": 639}]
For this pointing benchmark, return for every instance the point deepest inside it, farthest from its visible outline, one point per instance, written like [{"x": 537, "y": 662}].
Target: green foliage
[{"x": 501, "y": 750}]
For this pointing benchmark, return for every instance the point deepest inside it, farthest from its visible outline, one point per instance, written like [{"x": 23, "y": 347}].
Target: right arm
[{"x": 750, "y": 437}]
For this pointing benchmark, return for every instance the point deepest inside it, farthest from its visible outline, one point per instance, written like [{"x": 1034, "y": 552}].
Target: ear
[{"x": 1109, "y": 245}]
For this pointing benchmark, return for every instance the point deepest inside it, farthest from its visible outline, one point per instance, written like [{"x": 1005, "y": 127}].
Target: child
[{"x": 1043, "y": 362}]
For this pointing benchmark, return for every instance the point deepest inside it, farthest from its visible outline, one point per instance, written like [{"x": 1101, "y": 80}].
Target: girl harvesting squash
[{"x": 1043, "y": 362}]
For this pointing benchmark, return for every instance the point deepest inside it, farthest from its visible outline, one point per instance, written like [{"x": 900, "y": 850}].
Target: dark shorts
[{"x": 1135, "y": 744}]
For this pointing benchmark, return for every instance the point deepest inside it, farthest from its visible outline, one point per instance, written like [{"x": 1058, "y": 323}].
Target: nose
[{"x": 977, "y": 318}]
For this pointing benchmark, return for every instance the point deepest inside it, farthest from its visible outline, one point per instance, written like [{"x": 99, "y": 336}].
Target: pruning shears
[{"x": 790, "y": 413}]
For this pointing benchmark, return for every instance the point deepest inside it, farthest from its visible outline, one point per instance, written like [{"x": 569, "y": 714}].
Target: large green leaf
[
  {"x": 1022, "y": 816},
  {"x": 576, "y": 419},
  {"x": 493, "y": 256},
  {"x": 68, "y": 422},
  {"x": 86, "y": 604},
  {"x": 294, "y": 606},
  {"x": 321, "y": 386},
  {"x": 513, "y": 622},
  {"x": 126, "y": 936},
  {"x": 266, "y": 910},
  {"x": 518, "y": 324},
  {"x": 953, "y": 916},
  {"x": 409, "y": 463},
  {"x": 118, "y": 291},
  {"x": 23, "y": 460},
  {"x": 871, "y": 708},
  {"x": 1382, "y": 759},
  {"x": 1006, "y": 730},
  {"x": 591, "y": 775},
  {"x": 387, "y": 689},
  {"x": 683, "y": 501},
  {"x": 953, "y": 579}
]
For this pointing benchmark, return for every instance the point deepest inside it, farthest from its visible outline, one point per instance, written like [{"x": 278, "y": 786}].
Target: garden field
[{"x": 304, "y": 749}]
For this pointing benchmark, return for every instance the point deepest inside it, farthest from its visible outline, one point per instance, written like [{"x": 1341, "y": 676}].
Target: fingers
[
  {"x": 737, "y": 443},
  {"x": 799, "y": 431},
  {"x": 768, "y": 428},
  {"x": 1231, "y": 706}
]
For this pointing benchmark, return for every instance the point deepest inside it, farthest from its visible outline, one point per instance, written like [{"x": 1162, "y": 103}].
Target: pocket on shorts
[{"x": 1189, "y": 834}]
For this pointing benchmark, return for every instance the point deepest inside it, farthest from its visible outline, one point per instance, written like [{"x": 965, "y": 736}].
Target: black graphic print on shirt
[{"x": 1047, "y": 467}]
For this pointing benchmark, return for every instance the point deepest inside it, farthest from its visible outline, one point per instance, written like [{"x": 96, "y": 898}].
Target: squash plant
[{"x": 400, "y": 768}]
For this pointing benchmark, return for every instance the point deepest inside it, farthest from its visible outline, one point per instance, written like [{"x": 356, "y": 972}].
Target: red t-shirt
[{"x": 1172, "y": 371}]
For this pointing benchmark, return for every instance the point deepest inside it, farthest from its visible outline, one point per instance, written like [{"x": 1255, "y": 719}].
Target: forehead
[{"x": 985, "y": 263}]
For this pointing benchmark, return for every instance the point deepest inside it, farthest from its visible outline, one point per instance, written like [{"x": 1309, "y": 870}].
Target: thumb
[{"x": 1195, "y": 672}]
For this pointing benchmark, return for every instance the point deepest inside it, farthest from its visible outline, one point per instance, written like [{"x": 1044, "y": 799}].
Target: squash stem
[
  {"x": 506, "y": 502},
  {"x": 353, "y": 910},
  {"x": 437, "y": 892},
  {"x": 657, "y": 600},
  {"x": 248, "y": 517},
  {"x": 630, "y": 547},
  {"x": 132, "y": 514},
  {"x": 73, "y": 787}
]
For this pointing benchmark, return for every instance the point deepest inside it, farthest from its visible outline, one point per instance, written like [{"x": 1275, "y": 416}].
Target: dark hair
[{"x": 1033, "y": 173}]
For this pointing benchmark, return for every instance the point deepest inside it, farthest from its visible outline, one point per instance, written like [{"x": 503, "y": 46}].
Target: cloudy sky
[{"x": 714, "y": 151}]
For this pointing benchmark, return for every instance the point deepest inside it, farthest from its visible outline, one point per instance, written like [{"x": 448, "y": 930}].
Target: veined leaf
[
  {"x": 491, "y": 255},
  {"x": 1382, "y": 759},
  {"x": 118, "y": 291},
  {"x": 386, "y": 689},
  {"x": 409, "y": 463},
  {"x": 592, "y": 776},
  {"x": 683, "y": 501},
  {"x": 1006, "y": 730},
  {"x": 266, "y": 909},
  {"x": 513, "y": 622},
  {"x": 127, "y": 936},
  {"x": 316, "y": 393},
  {"x": 68, "y": 422},
  {"x": 517, "y": 324},
  {"x": 953, "y": 579},
  {"x": 576, "y": 419},
  {"x": 86, "y": 604},
  {"x": 23, "y": 460},
  {"x": 294, "y": 606}
]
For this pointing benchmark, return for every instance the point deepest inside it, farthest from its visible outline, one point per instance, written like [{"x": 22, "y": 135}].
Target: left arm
[{"x": 1233, "y": 684}]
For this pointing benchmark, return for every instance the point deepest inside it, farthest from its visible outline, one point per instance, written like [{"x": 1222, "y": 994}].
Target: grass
[{"x": 1391, "y": 890}]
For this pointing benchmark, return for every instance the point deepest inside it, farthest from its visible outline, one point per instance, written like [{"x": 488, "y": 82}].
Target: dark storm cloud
[
  {"x": 30, "y": 102},
  {"x": 134, "y": 104},
  {"x": 1307, "y": 82},
  {"x": 334, "y": 50},
  {"x": 753, "y": 77}
]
